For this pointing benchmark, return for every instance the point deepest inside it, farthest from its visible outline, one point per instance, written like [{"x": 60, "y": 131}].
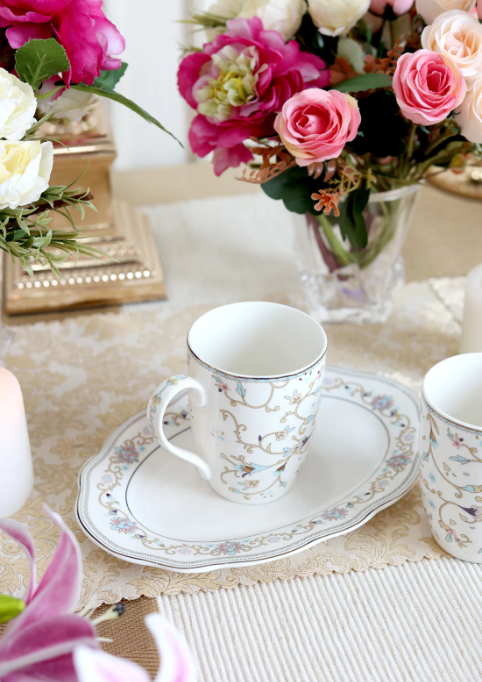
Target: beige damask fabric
[{"x": 83, "y": 377}]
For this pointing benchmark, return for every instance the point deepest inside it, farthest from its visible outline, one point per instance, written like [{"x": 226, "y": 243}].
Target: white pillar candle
[
  {"x": 16, "y": 474},
  {"x": 472, "y": 323}
]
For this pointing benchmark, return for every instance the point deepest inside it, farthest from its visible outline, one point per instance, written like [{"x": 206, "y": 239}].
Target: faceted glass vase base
[{"x": 325, "y": 298}]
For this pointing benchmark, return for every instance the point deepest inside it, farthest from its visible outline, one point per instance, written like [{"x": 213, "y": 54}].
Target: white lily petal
[
  {"x": 96, "y": 666},
  {"x": 177, "y": 663}
]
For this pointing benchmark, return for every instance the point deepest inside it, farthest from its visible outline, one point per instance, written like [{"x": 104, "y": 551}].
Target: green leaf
[
  {"x": 116, "y": 97},
  {"x": 109, "y": 79},
  {"x": 10, "y": 608},
  {"x": 294, "y": 187},
  {"x": 367, "y": 81},
  {"x": 38, "y": 60},
  {"x": 352, "y": 221}
]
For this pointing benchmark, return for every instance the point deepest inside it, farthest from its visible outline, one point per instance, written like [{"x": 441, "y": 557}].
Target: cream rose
[
  {"x": 25, "y": 169},
  {"x": 336, "y": 17},
  {"x": 429, "y": 10},
  {"x": 283, "y": 16},
  {"x": 470, "y": 113},
  {"x": 457, "y": 36},
  {"x": 71, "y": 105},
  {"x": 17, "y": 106}
]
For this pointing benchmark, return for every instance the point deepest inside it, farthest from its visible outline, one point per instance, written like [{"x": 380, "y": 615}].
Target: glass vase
[{"x": 342, "y": 284}]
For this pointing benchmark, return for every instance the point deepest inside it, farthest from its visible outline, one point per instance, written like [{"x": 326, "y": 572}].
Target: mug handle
[{"x": 156, "y": 409}]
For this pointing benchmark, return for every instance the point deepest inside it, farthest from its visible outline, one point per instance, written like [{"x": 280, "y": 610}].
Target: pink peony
[
  {"x": 238, "y": 83},
  {"x": 427, "y": 86},
  {"x": 398, "y": 6},
  {"x": 316, "y": 124},
  {"x": 81, "y": 26}
]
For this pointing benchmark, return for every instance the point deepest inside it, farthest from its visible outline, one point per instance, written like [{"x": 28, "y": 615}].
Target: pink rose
[
  {"x": 315, "y": 124},
  {"x": 238, "y": 83},
  {"x": 427, "y": 87},
  {"x": 81, "y": 26},
  {"x": 398, "y": 6}
]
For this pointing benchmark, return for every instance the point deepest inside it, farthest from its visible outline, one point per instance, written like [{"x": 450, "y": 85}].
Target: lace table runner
[{"x": 84, "y": 376}]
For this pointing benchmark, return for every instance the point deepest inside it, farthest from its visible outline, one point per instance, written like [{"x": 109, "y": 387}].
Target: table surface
[{"x": 282, "y": 639}]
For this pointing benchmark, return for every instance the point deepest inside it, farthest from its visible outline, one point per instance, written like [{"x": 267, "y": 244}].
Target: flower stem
[{"x": 342, "y": 256}]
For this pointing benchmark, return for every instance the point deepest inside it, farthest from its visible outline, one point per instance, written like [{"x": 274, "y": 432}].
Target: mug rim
[
  {"x": 273, "y": 377},
  {"x": 437, "y": 410}
]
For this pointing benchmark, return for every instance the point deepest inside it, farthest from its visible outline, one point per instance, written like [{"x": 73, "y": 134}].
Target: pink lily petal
[
  {"x": 19, "y": 533},
  {"x": 58, "y": 591},
  {"x": 46, "y": 645},
  {"x": 60, "y": 669},
  {"x": 177, "y": 664},
  {"x": 97, "y": 666}
]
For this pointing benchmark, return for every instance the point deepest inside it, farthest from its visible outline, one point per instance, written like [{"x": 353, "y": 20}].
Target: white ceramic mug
[
  {"x": 255, "y": 373},
  {"x": 451, "y": 454}
]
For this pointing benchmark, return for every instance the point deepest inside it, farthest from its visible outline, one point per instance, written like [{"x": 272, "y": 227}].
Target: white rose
[
  {"x": 457, "y": 36},
  {"x": 336, "y": 17},
  {"x": 71, "y": 105},
  {"x": 429, "y": 10},
  {"x": 25, "y": 169},
  {"x": 283, "y": 16},
  {"x": 470, "y": 113},
  {"x": 17, "y": 106}
]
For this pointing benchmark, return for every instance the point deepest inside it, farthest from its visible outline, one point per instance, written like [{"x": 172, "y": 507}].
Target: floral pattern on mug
[{"x": 451, "y": 479}]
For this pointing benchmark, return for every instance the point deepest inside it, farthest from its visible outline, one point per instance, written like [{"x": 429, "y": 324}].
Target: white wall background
[{"x": 154, "y": 39}]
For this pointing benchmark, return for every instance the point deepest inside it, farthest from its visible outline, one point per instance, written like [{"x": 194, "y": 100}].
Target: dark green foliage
[
  {"x": 311, "y": 40},
  {"x": 351, "y": 221},
  {"x": 384, "y": 130},
  {"x": 294, "y": 187}
]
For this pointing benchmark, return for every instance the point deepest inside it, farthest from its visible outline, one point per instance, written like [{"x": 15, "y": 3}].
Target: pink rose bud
[
  {"x": 398, "y": 6},
  {"x": 315, "y": 124},
  {"x": 427, "y": 87},
  {"x": 479, "y": 8}
]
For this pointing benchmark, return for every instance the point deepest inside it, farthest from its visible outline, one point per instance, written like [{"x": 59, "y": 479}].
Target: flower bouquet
[
  {"x": 54, "y": 56},
  {"x": 340, "y": 108}
]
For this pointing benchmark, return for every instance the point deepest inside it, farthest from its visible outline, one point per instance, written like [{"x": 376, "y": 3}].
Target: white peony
[
  {"x": 228, "y": 9},
  {"x": 71, "y": 105},
  {"x": 470, "y": 113},
  {"x": 25, "y": 169},
  {"x": 457, "y": 36},
  {"x": 17, "y": 106},
  {"x": 284, "y": 16},
  {"x": 429, "y": 10},
  {"x": 336, "y": 17}
]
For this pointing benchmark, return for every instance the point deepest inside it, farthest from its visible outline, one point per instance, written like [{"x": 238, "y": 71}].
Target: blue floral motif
[
  {"x": 334, "y": 514},
  {"x": 125, "y": 454},
  {"x": 382, "y": 402},
  {"x": 122, "y": 525},
  {"x": 399, "y": 461},
  {"x": 231, "y": 548}
]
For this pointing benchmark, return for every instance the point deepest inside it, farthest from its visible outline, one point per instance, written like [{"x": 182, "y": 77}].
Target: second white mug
[{"x": 255, "y": 373}]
